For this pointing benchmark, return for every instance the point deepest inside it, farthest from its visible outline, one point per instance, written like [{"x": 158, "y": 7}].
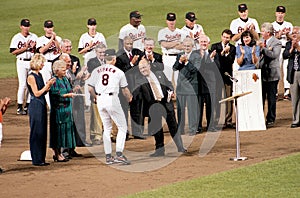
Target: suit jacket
[
  {"x": 157, "y": 65},
  {"x": 209, "y": 73},
  {"x": 123, "y": 63},
  {"x": 291, "y": 56},
  {"x": 187, "y": 82},
  {"x": 92, "y": 64},
  {"x": 145, "y": 91},
  {"x": 226, "y": 61},
  {"x": 269, "y": 62}
]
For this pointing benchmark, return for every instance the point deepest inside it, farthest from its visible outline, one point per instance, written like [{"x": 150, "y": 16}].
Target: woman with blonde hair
[{"x": 38, "y": 110}]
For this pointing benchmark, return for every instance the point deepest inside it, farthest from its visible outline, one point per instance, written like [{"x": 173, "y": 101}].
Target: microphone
[{"x": 231, "y": 78}]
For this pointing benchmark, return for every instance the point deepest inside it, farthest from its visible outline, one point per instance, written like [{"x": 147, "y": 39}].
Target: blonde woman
[{"x": 38, "y": 110}]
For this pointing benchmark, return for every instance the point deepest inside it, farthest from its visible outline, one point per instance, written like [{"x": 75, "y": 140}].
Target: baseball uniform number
[{"x": 105, "y": 78}]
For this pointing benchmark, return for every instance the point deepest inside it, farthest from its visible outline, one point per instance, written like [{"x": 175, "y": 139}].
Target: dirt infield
[{"x": 89, "y": 176}]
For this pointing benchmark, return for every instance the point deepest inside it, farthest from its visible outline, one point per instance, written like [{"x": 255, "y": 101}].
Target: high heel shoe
[{"x": 55, "y": 158}]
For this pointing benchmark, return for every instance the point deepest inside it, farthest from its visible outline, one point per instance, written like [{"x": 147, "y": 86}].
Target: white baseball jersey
[
  {"x": 166, "y": 34},
  {"x": 237, "y": 26},
  {"x": 52, "y": 52},
  {"x": 19, "y": 41},
  {"x": 277, "y": 27},
  {"x": 137, "y": 34},
  {"x": 107, "y": 79},
  {"x": 193, "y": 33},
  {"x": 85, "y": 40}
]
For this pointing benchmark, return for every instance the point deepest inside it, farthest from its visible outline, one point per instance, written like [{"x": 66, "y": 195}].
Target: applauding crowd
[{"x": 119, "y": 88}]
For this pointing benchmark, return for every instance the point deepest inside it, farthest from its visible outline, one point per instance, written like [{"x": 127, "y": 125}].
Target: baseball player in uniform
[
  {"x": 104, "y": 86},
  {"x": 191, "y": 29},
  {"x": 23, "y": 46},
  {"x": 87, "y": 43},
  {"x": 135, "y": 30},
  {"x": 49, "y": 46},
  {"x": 170, "y": 39},
  {"x": 243, "y": 23},
  {"x": 282, "y": 30}
]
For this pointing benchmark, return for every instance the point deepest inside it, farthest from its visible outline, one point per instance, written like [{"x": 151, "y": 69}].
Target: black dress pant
[
  {"x": 209, "y": 100},
  {"x": 156, "y": 112},
  {"x": 269, "y": 91}
]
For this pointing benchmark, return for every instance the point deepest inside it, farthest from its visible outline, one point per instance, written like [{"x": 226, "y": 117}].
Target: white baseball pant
[
  {"x": 23, "y": 68},
  {"x": 109, "y": 107},
  {"x": 168, "y": 68}
]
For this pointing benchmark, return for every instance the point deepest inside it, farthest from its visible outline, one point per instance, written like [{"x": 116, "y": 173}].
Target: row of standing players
[{"x": 135, "y": 16}]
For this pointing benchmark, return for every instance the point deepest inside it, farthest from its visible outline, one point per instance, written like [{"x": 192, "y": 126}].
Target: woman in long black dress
[{"x": 38, "y": 110}]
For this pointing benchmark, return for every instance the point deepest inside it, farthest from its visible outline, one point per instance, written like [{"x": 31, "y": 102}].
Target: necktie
[
  {"x": 296, "y": 65},
  {"x": 130, "y": 56},
  {"x": 155, "y": 90},
  {"x": 265, "y": 43}
]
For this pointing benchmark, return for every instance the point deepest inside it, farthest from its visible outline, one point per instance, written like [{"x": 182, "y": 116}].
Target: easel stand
[{"x": 237, "y": 135}]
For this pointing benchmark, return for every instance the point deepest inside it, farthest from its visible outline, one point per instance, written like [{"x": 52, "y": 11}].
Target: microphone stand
[{"x": 237, "y": 136}]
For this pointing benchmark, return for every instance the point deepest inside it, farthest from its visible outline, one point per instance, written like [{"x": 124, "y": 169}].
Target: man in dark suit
[
  {"x": 127, "y": 60},
  {"x": 292, "y": 53},
  {"x": 270, "y": 69},
  {"x": 226, "y": 53},
  {"x": 156, "y": 92},
  {"x": 207, "y": 63},
  {"x": 155, "y": 59}
]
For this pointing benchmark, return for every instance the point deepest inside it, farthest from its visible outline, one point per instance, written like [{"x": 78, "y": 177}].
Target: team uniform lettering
[
  {"x": 175, "y": 37},
  {"x": 137, "y": 36},
  {"x": 105, "y": 69}
]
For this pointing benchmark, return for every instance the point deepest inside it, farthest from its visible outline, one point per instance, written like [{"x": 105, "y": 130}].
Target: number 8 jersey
[{"x": 107, "y": 79}]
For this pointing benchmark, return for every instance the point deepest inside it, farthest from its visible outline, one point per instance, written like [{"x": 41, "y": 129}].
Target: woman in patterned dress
[{"x": 61, "y": 119}]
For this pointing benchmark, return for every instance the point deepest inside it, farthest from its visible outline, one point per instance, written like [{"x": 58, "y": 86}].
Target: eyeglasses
[{"x": 68, "y": 47}]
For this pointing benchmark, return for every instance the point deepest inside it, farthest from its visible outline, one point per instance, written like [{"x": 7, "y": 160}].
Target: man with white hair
[{"x": 270, "y": 69}]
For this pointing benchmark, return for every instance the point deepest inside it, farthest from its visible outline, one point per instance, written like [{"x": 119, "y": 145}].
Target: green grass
[
  {"x": 70, "y": 17},
  {"x": 275, "y": 178}
]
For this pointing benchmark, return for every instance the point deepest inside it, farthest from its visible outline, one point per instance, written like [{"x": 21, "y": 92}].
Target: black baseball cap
[
  {"x": 280, "y": 9},
  {"x": 171, "y": 16},
  {"x": 25, "y": 22},
  {"x": 48, "y": 24},
  {"x": 135, "y": 14},
  {"x": 110, "y": 52},
  {"x": 242, "y": 7},
  {"x": 91, "y": 21},
  {"x": 190, "y": 16}
]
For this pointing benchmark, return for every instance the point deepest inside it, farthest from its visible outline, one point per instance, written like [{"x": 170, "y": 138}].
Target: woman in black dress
[{"x": 38, "y": 110}]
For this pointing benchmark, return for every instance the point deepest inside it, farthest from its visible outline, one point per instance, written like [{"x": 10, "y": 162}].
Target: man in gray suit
[
  {"x": 270, "y": 69},
  {"x": 187, "y": 89}
]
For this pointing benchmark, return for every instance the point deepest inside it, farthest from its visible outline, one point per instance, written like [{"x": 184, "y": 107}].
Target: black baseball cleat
[
  {"x": 295, "y": 125},
  {"x": 20, "y": 111},
  {"x": 270, "y": 124}
]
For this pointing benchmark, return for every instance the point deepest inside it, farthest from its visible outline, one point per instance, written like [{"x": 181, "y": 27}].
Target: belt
[
  {"x": 50, "y": 61},
  {"x": 170, "y": 54},
  {"x": 282, "y": 46},
  {"x": 25, "y": 59},
  {"x": 110, "y": 94}
]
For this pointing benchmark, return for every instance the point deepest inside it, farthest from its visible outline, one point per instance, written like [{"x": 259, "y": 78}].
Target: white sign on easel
[{"x": 251, "y": 114}]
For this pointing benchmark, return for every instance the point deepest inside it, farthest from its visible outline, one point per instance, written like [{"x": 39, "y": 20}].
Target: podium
[{"x": 237, "y": 135}]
